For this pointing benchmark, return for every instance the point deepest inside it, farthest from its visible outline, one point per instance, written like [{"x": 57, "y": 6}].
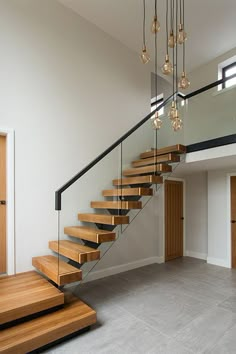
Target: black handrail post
[{"x": 57, "y": 200}]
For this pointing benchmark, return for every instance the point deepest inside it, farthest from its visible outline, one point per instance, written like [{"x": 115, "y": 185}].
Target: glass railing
[
  {"x": 104, "y": 191},
  {"x": 209, "y": 115},
  {"x": 99, "y": 196}
]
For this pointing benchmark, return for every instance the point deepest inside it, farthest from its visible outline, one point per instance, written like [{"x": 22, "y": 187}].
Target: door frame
[
  {"x": 10, "y": 197},
  {"x": 184, "y": 213},
  {"x": 228, "y": 231}
]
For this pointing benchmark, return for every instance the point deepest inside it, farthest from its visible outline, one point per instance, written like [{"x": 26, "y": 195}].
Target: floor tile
[
  {"x": 227, "y": 344},
  {"x": 202, "y": 333}
]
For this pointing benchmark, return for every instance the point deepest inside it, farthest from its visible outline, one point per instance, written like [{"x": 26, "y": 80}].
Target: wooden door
[
  {"x": 3, "y": 266},
  {"x": 173, "y": 219},
  {"x": 233, "y": 220}
]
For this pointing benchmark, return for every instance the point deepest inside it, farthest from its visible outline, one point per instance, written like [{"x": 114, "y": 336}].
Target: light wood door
[
  {"x": 173, "y": 219},
  {"x": 233, "y": 220},
  {"x": 3, "y": 267}
]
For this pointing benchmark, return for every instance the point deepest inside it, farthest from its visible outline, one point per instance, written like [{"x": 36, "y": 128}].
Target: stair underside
[
  {"x": 162, "y": 168},
  {"x": 149, "y": 179},
  {"x": 25, "y": 294},
  {"x": 168, "y": 158},
  {"x": 90, "y": 234},
  {"x": 57, "y": 270},
  {"x": 75, "y": 251},
  {"x": 104, "y": 219},
  {"x": 179, "y": 149},
  {"x": 125, "y": 192},
  {"x": 46, "y": 329},
  {"x": 116, "y": 205}
]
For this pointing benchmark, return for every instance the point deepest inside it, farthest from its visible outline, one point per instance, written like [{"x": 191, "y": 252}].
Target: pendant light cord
[
  {"x": 156, "y": 54},
  {"x": 144, "y": 22},
  {"x": 176, "y": 55},
  {"x": 184, "y": 40},
  {"x": 180, "y": 12},
  {"x": 167, "y": 29}
]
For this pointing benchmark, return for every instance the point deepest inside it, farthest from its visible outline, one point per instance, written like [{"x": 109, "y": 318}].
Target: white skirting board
[
  {"x": 210, "y": 260},
  {"x": 122, "y": 268},
  {"x": 219, "y": 262},
  {"x": 196, "y": 255}
]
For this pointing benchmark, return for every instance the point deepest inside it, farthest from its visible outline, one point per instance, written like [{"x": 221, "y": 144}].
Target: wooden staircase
[{"x": 36, "y": 294}]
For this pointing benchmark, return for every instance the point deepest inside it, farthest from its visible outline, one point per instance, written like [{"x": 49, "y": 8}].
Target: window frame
[
  {"x": 224, "y": 70},
  {"x": 157, "y": 101}
]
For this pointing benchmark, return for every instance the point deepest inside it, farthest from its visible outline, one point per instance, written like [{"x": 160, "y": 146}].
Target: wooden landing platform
[
  {"x": 24, "y": 294},
  {"x": 46, "y": 329}
]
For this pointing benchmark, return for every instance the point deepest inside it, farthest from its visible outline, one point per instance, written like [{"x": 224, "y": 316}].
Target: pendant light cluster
[{"x": 175, "y": 40}]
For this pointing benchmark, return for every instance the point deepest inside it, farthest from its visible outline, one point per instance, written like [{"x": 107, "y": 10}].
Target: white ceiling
[
  {"x": 210, "y": 25},
  {"x": 221, "y": 163}
]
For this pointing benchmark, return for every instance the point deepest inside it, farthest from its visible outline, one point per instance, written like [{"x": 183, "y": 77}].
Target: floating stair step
[
  {"x": 104, "y": 219},
  {"x": 31, "y": 335},
  {"x": 162, "y": 168},
  {"x": 170, "y": 158},
  {"x": 179, "y": 149},
  {"x": 24, "y": 294},
  {"x": 116, "y": 205},
  {"x": 90, "y": 234},
  {"x": 79, "y": 253},
  {"x": 57, "y": 270},
  {"x": 126, "y": 192},
  {"x": 149, "y": 179}
]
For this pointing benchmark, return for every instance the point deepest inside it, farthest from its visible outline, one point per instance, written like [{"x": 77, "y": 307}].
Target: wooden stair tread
[
  {"x": 25, "y": 294},
  {"x": 79, "y": 253},
  {"x": 31, "y": 335},
  {"x": 162, "y": 168},
  {"x": 127, "y": 192},
  {"x": 170, "y": 158},
  {"x": 104, "y": 219},
  {"x": 116, "y": 205},
  {"x": 149, "y": 179},
  {"x": 90, "y": 234},
  {"x": 57, "y": 270},
  {"x": 179, "y": 149}
]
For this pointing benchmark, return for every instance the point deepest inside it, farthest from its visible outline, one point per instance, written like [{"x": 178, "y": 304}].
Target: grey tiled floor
[{"x": 183, "y": 306}]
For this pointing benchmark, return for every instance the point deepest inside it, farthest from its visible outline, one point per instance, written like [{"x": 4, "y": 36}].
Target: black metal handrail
[
  {"x": 59, "y": 192},
  {"x": 201, "y": 90}
]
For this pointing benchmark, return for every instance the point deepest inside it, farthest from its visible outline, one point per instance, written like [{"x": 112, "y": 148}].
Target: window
[
  {"x": 157, "y": 101},
  {"x": 228, "y": 71}
]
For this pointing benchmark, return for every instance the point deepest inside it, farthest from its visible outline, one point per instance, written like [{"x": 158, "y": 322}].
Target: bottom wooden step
[
  {"x": 25, "y": 294},
  {"x": 46, "y": 329}
]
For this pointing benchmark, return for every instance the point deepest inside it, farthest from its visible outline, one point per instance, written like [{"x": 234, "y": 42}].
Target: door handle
[
  {"x": 182, "y": 218},
  {"x": 233, "y": 221},
  {"x": 3, "y": 202}
]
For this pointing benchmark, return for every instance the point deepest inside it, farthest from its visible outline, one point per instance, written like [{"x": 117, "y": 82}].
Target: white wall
[
  {"x": 219, "y": 219},
  {"x": 196, "y": 228},
  {"x": 68, "y": 90}
]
